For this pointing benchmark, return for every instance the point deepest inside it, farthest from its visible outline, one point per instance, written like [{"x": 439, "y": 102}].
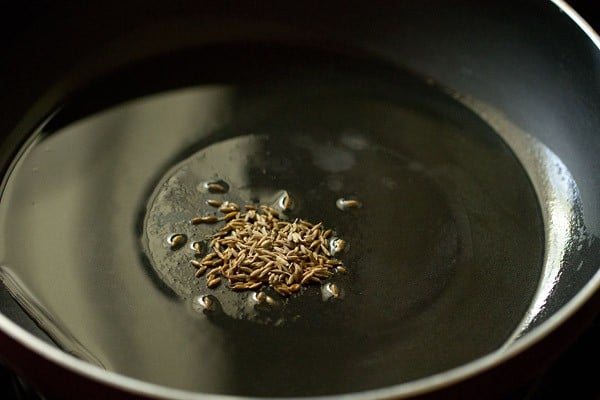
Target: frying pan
[{"x": 528, "y": 70}]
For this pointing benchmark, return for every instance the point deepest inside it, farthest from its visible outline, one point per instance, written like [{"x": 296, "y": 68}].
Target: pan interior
[{"x": 444, "y": 258}]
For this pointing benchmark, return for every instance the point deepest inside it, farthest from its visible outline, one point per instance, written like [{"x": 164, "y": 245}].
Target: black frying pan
[{"x": 521, "y": 75}]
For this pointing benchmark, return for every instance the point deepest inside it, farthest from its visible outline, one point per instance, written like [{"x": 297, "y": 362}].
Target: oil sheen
[{"x": 442, "y": 231}]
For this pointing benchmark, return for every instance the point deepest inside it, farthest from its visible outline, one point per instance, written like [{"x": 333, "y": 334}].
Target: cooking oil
[{"x": 437, "y": 222}]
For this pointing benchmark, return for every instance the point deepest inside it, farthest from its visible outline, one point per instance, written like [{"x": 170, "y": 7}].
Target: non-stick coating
[{"x": 526, "y": 59}]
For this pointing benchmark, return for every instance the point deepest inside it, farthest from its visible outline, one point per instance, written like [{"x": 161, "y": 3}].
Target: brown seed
[
  {"x": 213, "y": 283},
  {"x": 346, "y": 204},
  {"x": 306, "y": 277},
  {"x": 283, "y": 290},
  {"x": 306, "y": 223},
  {"x": 196, "y": 263},
  {"x": 213, "y": 273},
  {"x": 265, "y": 270},
  {"x": 254, "y": 285},
  {"x": 280, "y": 249},
  {"x": 228, "y": 207},
  {"x": 256, "y": 248},
  {"x": 216, "y": 187},
  {"x": 341, "y": 269},
  {"x": 209, "y": 256},
  {"x": 297, "y": 273},
  {"x": 201, "y": 271},
  {"x": 214, "y": 203},
  {"x": 295, "y": 287},
  {"x": 334, "y": 289},
  {"x": 241, "y": 256},
  {"x": 221, "y": 233},
  {"x": 218, "y": 251},
  {"x": 239, "y": 277},
  {"x": 239, "y": 286},
  {"x": 270, "y": 210},
  {"x": 281, "y": 261},
  {"x": 337, "y": 246},
  {"x": 254, "y": 263},
  {"x": 210, "y": 219},
  {"x": 265, "y": 244},
  {"x": 315, "y": 227},
  {"x": 261, "y": 297},
  {"x": 197, "y": 246},
  {"x": 213, "y": 263},
  {"x": 229, "y": 216},
  {"x": 206, "y": 302},
  {"x": 323, "y": 274},
  {"x": 229, "y": 226},
  {"x": 249, "y": 207},
  {"x": 177, "y": 240},
  {"x": 271, "y": 301},
  {"x": 256, "y": 273},
  {"x": 266, "y": 258}
]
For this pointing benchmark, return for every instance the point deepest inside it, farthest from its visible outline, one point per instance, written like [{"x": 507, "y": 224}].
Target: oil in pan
[{"x": 442, "y": 231}]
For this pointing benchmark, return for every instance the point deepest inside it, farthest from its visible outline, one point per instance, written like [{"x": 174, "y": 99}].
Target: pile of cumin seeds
[{"x": 256, "y": 249}]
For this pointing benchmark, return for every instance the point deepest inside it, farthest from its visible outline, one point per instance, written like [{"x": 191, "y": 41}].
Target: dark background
[
  {"x": 589, "y": 10},
  {"x": 575, "y": 374}
]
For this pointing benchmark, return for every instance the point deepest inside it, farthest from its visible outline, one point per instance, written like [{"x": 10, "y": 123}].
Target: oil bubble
[
  {"x": 331, "y": 291},
  {"x": 196, "y": 247},
  {"x": 341, "y": 270},
  {"x": 347, "y": 204},
  {"x": 337, "y": 246},
  {"x": 218, "y": 186},
  {"x": 176, "y": 240},
  {"x": 204, "y": 303},
  {"x": 285, "y": 201},
  {"x": 271, "y": 301},
  {"x": 259, "y": 298},
  {"x": 263, "y": 301}
]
